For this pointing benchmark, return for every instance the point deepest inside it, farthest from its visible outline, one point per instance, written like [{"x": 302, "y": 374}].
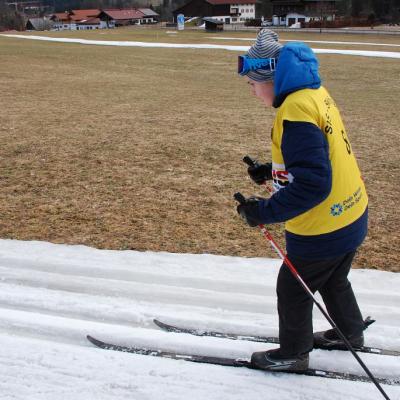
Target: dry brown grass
[{"x": 131, "y": 148}]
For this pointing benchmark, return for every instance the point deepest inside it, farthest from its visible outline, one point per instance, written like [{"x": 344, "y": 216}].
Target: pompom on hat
[{"x": 266, "y": 46}]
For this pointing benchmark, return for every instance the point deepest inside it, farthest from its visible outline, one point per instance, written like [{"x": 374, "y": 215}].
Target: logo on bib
[{"x": 336, "y": 209}]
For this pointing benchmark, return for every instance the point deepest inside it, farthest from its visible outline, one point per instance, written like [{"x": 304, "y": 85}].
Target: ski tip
[
  {"x": 159, "y": 323},
  {"x": 93, "y": 340},
  {"x": 90, "y": 338}
]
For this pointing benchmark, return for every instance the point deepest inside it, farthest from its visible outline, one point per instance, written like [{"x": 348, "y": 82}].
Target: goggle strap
[{"x": 251, "y": 64}]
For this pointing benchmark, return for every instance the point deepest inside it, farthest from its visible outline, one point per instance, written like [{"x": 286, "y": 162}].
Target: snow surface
[
  {"x": 309, "y": 41},
  {"x": 363, "y": 53},
  {"x": 53, "y": 295}
]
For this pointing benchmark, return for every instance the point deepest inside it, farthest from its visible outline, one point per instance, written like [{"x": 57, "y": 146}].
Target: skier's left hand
[{"x": 249, "y": 210}]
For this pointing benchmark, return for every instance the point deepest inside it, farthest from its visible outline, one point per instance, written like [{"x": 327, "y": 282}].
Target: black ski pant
[{"x": 329, "y": 278}]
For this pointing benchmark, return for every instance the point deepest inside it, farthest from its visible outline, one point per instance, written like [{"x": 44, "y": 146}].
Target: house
[
  {"x": 149, "y": 16},
  {"x": 290, "y": 12},
  {"x": 39, "y": 24},
  {"x": 122, "y": 17},
  {"x": 77, "y": 20},
  {"x": 62, "y": 21},
  {"x": 227, "y": 11},
  {"x": 100, "y": 19}
]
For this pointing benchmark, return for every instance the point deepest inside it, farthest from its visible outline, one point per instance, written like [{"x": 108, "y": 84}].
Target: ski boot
[
  {"x": 330, "y": 340},
  {"x": 273, "y": 360}
]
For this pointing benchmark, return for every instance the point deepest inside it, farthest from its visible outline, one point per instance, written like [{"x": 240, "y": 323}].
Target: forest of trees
[
  {"x": 8, "y": 18},
  {"x": 355, "y": 8},
  {"x": 380, "y": 8},
  {"x": 384, "y": 10}
]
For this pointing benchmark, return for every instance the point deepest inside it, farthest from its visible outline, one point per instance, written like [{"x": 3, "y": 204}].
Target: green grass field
[{"x": 137, "y": 148}]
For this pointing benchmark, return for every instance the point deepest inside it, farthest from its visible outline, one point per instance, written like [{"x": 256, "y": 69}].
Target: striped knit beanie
[{"x": 266, "y": 46}]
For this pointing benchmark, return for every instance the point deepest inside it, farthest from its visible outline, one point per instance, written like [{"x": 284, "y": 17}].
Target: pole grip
[
  {"x": 239, "y": 198},
  {"x": 249, "y": 161}
]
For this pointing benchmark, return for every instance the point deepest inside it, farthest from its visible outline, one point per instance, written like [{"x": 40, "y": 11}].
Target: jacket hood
[{"x": 297, "y": 69}]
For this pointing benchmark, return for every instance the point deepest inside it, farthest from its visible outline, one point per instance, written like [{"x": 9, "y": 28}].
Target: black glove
[
  {"x": 249, "y": 210},
  {"x": 260, "y": 173}
]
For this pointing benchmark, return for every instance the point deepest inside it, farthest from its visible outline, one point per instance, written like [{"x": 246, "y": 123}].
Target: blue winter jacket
[{"x": 306, "y": 155}]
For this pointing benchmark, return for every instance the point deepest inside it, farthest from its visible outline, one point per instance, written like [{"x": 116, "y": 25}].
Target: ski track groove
[
  {"x": 136, "y": 276},
  {"x": 48, "y": 328},
  {"x": 175, "y": 283}
]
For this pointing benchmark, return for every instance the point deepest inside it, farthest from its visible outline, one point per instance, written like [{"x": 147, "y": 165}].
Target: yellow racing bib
[{"x": 348, "y": 199}]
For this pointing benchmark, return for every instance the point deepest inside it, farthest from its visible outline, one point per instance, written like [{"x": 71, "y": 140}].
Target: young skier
[{"x": 318, "y": 192}]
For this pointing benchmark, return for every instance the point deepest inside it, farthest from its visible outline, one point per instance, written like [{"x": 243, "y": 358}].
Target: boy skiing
[{"x": 319, "y": 193}]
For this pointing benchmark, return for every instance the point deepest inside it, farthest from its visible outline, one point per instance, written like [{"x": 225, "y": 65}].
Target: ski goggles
[{"x": 246, "y": 64}]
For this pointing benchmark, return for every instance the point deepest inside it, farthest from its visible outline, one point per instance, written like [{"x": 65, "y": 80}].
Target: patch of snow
[
  {"x": 363, "y": 53},
  {"x": 51, "y": 296},
  {"x": 310, "y": 41}
]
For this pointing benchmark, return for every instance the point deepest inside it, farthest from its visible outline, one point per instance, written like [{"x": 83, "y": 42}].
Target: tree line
[
  {"x": 384, "y": 10},
  {"x": 9, "y": 19},
  {"x": 378, "y": 8}
]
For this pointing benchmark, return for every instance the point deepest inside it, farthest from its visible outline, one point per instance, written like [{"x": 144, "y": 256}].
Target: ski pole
[{"x": 241, "y": 199}]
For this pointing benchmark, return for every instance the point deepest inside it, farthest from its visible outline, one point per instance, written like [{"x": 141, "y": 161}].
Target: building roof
[
  {"x": 148, "y": 12},
  {"x": 124, "y": 14},
  {"x": 78, "y": 15},
  {"x": 232, "y": 2},
  {"x": 61, "y": 16},
  {"x": 81, "y": 14},
  {"x": 89, "y": 21},
  {"x": 40, "y": 24}
]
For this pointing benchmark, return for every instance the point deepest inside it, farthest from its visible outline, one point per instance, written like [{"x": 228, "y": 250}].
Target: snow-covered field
[
  {"x": 53, "y": 295},
  {"x": 362, "y": 53}
]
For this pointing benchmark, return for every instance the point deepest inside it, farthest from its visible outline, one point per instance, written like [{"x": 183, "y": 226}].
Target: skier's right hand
[{"x": 260, "y": 173}]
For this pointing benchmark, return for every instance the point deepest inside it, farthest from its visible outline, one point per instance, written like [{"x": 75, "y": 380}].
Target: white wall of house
[
  {"x": 73, "y": 26},
  {"x": 147, "y": 20},
  {"x": 278, "y": 21},
  {"x": 245, "y": 11},
  {"x": 82, "y": 27},
  {"x": 294, "y": 18},
  {"x": 64, "y": 26},
  {"x": 111, "y": 24}
]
